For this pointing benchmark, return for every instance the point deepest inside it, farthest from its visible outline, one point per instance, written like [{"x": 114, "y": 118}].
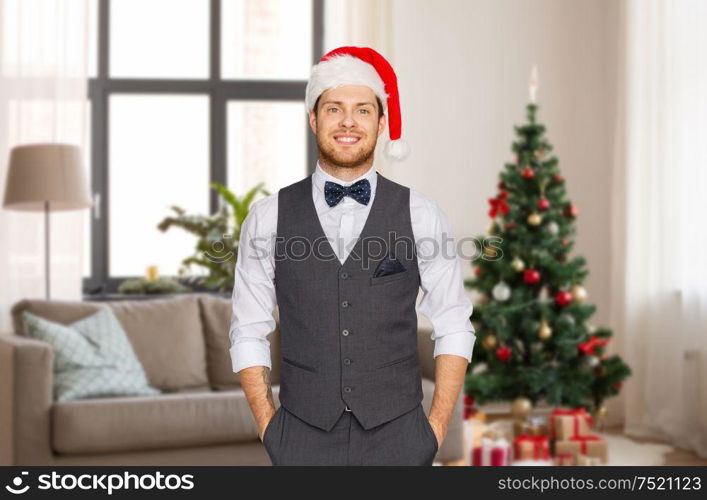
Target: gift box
[
  {"x": 592, "y": 446},
  {"x": 532, "y": 463},
  {"x": 526, "y": 447},
  {"x": 474, "y": 430},
  {"x": 492, "y": 452},
  {"x": 535, "y": 425},
  {"x": 565, "y": 424},
  {"x": 563, "y": 459},
  {"x": 587, "y": 460}
]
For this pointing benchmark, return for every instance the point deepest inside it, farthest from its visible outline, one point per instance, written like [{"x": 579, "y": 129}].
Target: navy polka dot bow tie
[{"x": 359, "y": 191}]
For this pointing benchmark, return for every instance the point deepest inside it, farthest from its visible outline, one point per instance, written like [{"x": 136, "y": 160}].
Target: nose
[{"x": 347, "y": 119}]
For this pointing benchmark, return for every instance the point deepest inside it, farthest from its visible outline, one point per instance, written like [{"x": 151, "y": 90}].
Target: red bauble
[
  {"x": 528, "y": 173},
  {"x": 503, "y": 354},
  {"x": 543, "y": 204},
  {"x": 559, "y": 178},
  {"x": 571, "y": 210},
  {"x": 468, "y": 400},
  {"x": 617, "y": 386},
  {"x": 563, "y": 298},
  {"x": 510, "y": 226},
  {"x": 531, "y": 276},
  {"x": 477, "y": 270}
]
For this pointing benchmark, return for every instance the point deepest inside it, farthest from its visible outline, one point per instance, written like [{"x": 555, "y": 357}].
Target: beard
[{"x": 330, "y": 155}]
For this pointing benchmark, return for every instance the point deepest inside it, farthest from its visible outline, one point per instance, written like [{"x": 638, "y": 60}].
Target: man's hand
[
  {"x": 440, "y": 430},
  {"x": 261, "y": 432}
]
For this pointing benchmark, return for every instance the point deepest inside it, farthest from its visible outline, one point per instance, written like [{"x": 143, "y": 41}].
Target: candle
[{"x": 533, "y": 84}]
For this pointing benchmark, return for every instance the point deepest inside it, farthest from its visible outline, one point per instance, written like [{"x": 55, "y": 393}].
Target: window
[{"x": 183, "y": 93}]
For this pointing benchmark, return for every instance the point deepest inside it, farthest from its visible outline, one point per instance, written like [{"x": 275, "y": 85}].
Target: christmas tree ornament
[
  {"x": 490, "y": 229},
  {"x": 490, "y": 251},
  {"x": 544, "y": 294},
  {"x": 563, "y": 298},
  {"x": 531, "y": 276},
  {"x": 579, "y": 293},
  {"x": 545, "y": 332},
  {"x": 593, "y": 361},
  {"x": 571, "y": 210},
  {"x": 503, "y": 353},
  {"x": 489, "y": 341},
  {"x": 517, "y": 264},
  {"x": 527, "y": 173},
  {"x": 510, "y": 226},
  {"x": 477, "y": 271},
  {"x": 559, "y": 178},
  {"x": 499, "y": 204},
  {"x": 543, "y": 204},
  {"x": 553, "y": 228},
  {"x": 501, "y": 292},
  {"x": 602, "y": 412},
  {"x": 534, "y": 219},
  {"x": 565, "y": 242},
  {"x": 521, "y": 407},
  {"x": 350, "y": 65}
]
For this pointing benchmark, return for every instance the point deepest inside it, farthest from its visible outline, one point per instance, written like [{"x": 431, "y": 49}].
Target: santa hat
[{"x": 361, "y": 66}]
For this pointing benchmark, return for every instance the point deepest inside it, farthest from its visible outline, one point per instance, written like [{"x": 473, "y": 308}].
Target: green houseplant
[{"x": 217, "y": 237}]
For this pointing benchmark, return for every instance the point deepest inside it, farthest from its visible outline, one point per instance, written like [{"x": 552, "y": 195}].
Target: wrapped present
[
  {"x": 565, "y": 424},
  {"x": 492, "y": 452},
  {"x": 564, "y": 459},
  {"x": 474, "y": 430},
  {"x": 587, "y": 460},
  {"x": 535, "y": 425},
  {"x": 532, "y": 463},
  {"x": 592, "y": 445},
  {"x": 528, "y": 447}
]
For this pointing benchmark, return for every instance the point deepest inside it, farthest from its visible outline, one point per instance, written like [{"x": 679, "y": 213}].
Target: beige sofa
[{"x": 201, "y": 418}]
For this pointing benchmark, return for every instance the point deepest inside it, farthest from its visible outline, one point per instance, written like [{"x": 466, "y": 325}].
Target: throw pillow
[{"x": 93, "y": 357}]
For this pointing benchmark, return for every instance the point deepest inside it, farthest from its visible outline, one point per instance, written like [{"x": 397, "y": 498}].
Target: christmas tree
[{"x": 532, "y": 318}]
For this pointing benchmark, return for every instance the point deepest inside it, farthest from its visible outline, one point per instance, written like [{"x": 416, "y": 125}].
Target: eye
[
  {"x": 331, "y": 109},
  {"x": 365, "y": 111}
]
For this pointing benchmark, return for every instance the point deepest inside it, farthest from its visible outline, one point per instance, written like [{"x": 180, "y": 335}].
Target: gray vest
[{"x": 347, "y": 338}]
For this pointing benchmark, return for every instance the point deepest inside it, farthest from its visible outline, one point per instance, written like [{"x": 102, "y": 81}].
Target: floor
[{"x": 675, "y": 457}]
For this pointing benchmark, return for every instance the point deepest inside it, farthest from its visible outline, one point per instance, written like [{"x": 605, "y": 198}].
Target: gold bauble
[
  {"x": 602, "y": 412},
  {"x": 489, "y": 341},
  {"x": 517, "y": 264},
  {"x": 579, "y": 293},
  {"x": 490, "y": 251},
  {"x": 534, "y": 219},
  {"x": 544, "y": 332},
  {"x": 521, "y": 407}
]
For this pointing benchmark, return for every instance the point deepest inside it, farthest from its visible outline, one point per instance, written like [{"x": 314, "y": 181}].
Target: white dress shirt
[{"x": 444, "y": 302}]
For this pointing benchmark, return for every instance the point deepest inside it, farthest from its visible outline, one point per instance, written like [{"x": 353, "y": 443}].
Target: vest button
[
  {"x": 344, "y": 333},
  {"x": 344, "y": 275},
  {"x": 347, "y": 361},
  {"x": 347, "y": 389},
  {"x": 345, "y": 303}
]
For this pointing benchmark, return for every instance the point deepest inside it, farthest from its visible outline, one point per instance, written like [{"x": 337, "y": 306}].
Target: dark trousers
[{"x": 405, "y": 440}]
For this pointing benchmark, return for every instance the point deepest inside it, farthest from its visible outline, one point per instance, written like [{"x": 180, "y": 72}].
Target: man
[{"x": 352, "y": 249}]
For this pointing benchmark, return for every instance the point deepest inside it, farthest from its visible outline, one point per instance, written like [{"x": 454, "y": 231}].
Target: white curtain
[
  {"x": 44, "y": 54},
  {"x": 660, "y": 235}
]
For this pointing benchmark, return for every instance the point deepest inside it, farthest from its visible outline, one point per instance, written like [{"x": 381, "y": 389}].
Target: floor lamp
[{"x": 46, "y": 177}]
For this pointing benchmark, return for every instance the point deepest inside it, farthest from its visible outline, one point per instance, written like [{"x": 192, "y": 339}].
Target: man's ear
[
  {"x": 313, "y": 121},
  {"x": 381, "y": 124}
]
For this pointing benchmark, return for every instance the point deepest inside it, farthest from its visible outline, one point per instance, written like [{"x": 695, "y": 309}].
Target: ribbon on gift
[
  {"x": 491, "y": 452},
  {"x": 576, "y": 413},
  {"x": 583, "y": 441},
  {"x": 540, "y": 445}
]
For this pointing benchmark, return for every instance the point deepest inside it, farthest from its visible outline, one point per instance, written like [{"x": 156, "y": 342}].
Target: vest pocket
[
  {"x": 299, "y": 365},
  {"x": 396, "y": 361},
  {"x": 391, "y": 277}
]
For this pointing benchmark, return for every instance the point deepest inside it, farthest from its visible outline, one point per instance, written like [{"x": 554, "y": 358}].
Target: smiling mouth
[{"x": 346, "y": 140}]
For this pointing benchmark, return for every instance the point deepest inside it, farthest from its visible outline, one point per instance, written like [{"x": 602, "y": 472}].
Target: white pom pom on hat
[{"x": 362, "y": 66}]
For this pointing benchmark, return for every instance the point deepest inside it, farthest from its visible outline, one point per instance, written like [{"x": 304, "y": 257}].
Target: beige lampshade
[{"x": 40, "y": 173}]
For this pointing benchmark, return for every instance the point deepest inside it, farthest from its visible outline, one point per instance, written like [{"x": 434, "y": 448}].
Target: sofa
[{"x": 201, "y": 416}]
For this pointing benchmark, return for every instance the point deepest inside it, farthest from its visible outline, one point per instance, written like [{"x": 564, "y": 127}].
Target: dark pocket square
[{"x": 389, "y": 265}]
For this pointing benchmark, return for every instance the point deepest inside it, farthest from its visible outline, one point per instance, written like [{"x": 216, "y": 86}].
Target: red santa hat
[{"x": 361, "y": 66}]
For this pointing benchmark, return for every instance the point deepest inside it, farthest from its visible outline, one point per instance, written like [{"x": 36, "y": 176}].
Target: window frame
[{"x": 219, "y": 92}]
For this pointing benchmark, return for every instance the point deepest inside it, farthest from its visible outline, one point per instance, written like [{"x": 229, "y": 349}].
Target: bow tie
[{"x": 359, "y": 191}]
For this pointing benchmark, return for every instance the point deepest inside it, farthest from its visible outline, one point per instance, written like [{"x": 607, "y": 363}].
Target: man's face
[{"x": 346, "y": 125}]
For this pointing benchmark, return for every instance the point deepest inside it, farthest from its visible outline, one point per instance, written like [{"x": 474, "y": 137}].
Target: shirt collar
[{"x": 319, "y": 177}]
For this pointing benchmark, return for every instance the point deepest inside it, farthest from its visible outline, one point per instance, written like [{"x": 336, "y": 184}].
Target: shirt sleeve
[
  {"x": 253, "y": 299},
  {"x": 444, "y": 301}
]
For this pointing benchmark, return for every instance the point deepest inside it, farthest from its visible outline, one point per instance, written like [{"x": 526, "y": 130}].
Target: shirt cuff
[
  {"x": 459, "y": 343},
  {"x": 249, "y": 353}
]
